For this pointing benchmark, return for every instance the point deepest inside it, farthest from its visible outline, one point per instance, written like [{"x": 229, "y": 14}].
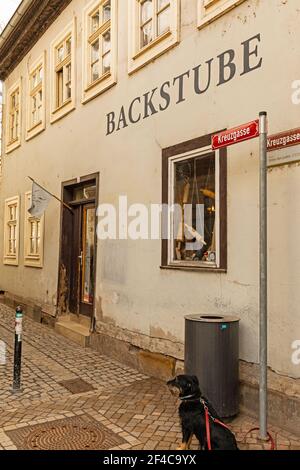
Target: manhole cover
[
  {"x": 77, "y": 386},
  {"x": 77, "y": 433}
]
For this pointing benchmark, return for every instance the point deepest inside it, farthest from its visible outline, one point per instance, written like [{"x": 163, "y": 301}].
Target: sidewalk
[{"x": 75, "y": 398}]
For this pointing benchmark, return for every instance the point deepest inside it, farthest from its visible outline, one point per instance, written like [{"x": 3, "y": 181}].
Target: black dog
[{"x": 192, "y": 417}]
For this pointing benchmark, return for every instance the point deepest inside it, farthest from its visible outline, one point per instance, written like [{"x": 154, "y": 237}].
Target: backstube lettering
[{"x": 160, "y": 98}]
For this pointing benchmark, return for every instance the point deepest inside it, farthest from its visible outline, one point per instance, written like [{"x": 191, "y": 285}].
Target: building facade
[{"x": 114, "y": 103}]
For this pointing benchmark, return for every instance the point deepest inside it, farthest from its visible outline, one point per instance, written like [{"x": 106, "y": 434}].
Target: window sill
[
  {"x": 10, "y": 261},
  {"x": 152, "y": 51},
  {"x": 152, "y": 44},
  {"x": 62, "y": 106},
  {"x": 33, "y": 264},
  {"x": 35, "y": 130},
  {"x": 211, "y": 12},
  {"x": 195, "y": 269},
  {"x": 98, "y": 81},
  {"x": 98, "y": 87},
  {"x": 12, "y": 146},
  {"x": 62, "y": 110}
]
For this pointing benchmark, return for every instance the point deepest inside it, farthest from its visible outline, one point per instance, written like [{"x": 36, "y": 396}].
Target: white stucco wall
[{"x": 135, "y": 294}]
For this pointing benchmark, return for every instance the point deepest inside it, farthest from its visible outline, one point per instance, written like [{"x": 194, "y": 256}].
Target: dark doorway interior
[{"x": 77, "y": 273}]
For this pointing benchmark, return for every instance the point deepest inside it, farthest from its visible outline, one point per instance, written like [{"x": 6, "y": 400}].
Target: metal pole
[
  {"x": 18, "y": 351},
  {"x": 263, "y": 284}
]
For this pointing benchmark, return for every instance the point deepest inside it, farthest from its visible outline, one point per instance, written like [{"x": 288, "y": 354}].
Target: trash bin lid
[{"x": 213, "y": 318}]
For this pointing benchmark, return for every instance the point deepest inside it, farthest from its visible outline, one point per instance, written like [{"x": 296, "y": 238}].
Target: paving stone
[{"x": 134, "y": 407}]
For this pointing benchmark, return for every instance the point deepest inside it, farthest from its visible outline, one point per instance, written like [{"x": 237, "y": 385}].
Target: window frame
[
  {"x": 210, "y": 10},
  {"x": 170, "y": 156},
  {"x": 15, "y": 143},
  {"x": 8, "y": 258},
  {"x": 34, "y": 129},
  {"x": 141, "y": 56},
  {"x": 32, "y": 260},
  {"x": 91, "y": 89},
  {"x": 60, "y": 110}
]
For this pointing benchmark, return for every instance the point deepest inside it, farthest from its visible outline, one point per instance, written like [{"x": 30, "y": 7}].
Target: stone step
[
  {"x": 82, "y": 319},
  {"x": 76, "y": 332}
]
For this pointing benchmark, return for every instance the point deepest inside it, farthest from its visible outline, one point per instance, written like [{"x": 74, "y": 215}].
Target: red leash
[
  {"x": 207, "y": 425},
  {"x": 271, "y": 440},
  {"x": 215, "y": 420}
]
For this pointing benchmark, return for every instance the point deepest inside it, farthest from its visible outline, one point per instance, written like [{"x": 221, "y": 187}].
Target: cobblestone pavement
[{"x": 125, "y": 409}]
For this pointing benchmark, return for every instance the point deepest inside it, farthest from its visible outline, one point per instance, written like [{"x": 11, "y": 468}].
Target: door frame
[{"x": 65, "y": 252}]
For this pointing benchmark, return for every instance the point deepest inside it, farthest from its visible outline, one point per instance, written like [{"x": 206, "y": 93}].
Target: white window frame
[
  {"x": 210, "y": 10},
  {"x": 11, "y": 258},
  {"x": 171, "y": 185},
  {"x": 57, "y": 112},
  {"x": 13, "y": 144},
  {"x": 30, "y": 259},
  {"x": 34, "y": 129},
  {"x": 137, "y": 56},
  {"x": 108, "y": 79}
]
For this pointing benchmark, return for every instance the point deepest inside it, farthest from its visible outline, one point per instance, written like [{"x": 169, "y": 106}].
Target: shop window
[
  {"x": 194, "y": 187},
  {"x": 36, "y": 99},
  {"x": 100, "y": 47},
  {"x": 63, "y": 73},
  {"x": 13, "y": 126},
  {"x": 154, "y": 28},
  {"x": 209, "y": 10},
  {"x": 11, "y": 231},
  {"x": 33, "y": 237}
]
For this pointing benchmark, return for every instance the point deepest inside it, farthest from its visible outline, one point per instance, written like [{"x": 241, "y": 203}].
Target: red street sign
[
  {"x": 284, "y": 139},
  {"x": 236, "y": 135}
]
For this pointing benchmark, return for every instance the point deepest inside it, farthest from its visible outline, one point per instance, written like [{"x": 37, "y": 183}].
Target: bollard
[{"x": 18, "y": 350}]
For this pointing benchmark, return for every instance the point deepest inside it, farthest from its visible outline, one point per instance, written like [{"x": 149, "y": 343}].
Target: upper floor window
[
  {"x": 208, "y": 10},
  {"x": 11, "y": 230},
  {"x": 153, "y": 27},
  {"x": 36, "y": 104},
  {"x": 154, "y": 20},
  {"x": 63, "y": 73},
  {"x": 14, "y": 116},
  {"x": 13, "y": 126},
  {"x": 100, "y": 48}
]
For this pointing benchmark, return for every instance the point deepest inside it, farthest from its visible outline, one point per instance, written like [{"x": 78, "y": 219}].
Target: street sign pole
[
  {"x": 263, "y": 284},
  {"x": 248, "y": 131}
]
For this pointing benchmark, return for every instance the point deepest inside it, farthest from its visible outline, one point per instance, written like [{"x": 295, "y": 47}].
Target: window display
[{"x": 194, "y": 191}]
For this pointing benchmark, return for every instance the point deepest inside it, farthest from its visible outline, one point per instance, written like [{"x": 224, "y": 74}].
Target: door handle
[{"x": 81, "y": 257}]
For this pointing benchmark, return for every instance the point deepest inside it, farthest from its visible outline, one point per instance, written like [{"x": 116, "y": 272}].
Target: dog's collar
[{"x": 187, "y": 397}]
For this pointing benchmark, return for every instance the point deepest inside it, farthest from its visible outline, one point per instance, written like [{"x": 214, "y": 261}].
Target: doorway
[{"x": 77, "y": 273}]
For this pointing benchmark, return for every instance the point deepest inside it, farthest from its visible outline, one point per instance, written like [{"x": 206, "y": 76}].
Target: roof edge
[{"x": 28, "y": 24}]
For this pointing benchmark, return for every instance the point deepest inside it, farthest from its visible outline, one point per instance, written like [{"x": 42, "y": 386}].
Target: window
[
  {"x": 194, "y": 187},
  {"x": 36, "y": 99},
  {"x": 11, "y": 231},
  {"x": 63, "y": 73},
  {"x": 13, "y": 126},
  {"x": 100, "y": 49},
  {"x": 154, "y": 27},
  {"x": 209, "y": 10},
  {"x": 154, "y": 20},
  {"x": 33, "y": 237}
]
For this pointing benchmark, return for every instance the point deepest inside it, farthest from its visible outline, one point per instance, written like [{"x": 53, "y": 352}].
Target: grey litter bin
[{"x": 212, "y": 354}]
